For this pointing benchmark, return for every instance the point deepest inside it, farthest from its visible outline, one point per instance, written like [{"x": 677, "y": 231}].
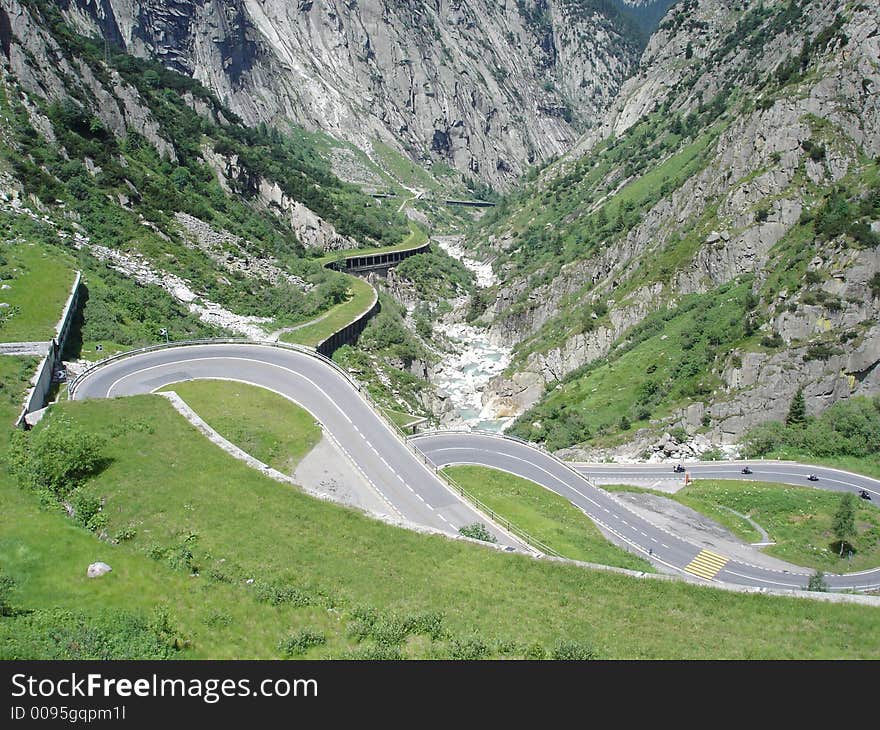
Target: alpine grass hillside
[
  {"x": 711, "y": 247},
  {"x": 612, "y": 228}
]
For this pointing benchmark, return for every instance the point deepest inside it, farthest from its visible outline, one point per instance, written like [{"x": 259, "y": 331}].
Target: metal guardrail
[
  {"x": 511, "y": 527},
  {"x": 361, "y": 390},
  {"x": 304, "y": 349},
  {"x": 494, "y": 434}
]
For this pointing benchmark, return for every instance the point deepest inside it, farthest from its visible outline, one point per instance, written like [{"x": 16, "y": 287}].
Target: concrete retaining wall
[
  {"x": 363, "y": 262},
  {"x": 42, "y": 382},
  {"x": 349, "y": 334},
  {"x": 370, "y": 261}
]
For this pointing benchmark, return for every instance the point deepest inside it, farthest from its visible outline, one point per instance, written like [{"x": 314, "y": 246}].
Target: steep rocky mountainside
[
  {"x": 486, "y": 87},
  {"x": 712, "y": 245},
  {"x": 144, "y": 176}
]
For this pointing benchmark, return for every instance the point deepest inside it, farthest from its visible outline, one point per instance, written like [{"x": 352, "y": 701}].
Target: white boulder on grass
[{"x": 96, "y": 570}]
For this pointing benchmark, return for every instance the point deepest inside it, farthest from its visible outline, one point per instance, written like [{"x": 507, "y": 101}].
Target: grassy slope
[
  {"x": 40, "y": 282},
  {"x": 546, "y": 516},
  {"x": 166, "y": 481},
  {"x": 266, "y": 425},
  {"x": 672, "y": 359},
  {"x": 15, "y": 376},
  {"x": 337, "y": 317},
  {"x": 798, "y": 519},
  {"x": 400, "y": 418}
]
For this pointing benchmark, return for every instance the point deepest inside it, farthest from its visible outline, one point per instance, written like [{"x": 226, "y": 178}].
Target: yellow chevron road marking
[{"x": 706, "y": 565}]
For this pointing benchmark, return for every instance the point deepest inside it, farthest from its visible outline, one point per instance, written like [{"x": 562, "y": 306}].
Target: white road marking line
[{"x": 553, "y": 476}]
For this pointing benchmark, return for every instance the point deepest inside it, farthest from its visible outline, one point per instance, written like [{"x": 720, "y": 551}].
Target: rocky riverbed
[{"x": 464, "y": 371}]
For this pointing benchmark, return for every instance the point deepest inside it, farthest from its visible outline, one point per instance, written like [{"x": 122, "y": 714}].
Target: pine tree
[{"x": 797, "y": 412}]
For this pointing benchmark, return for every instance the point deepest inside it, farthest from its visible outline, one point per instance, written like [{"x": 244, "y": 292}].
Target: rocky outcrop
[
  {"x": 770, "y": 165},
  {"x": 311, "y": 230},
  {"x": 43, "y": 68},
  {"x": 764, "y": 385},
  {"x": 233, "y": 253},
  {"x": 487, "y": 87}
]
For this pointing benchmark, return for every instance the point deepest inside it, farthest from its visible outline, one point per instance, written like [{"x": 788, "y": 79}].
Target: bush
[
  {"x": 87, "y": 509},
  {"x": 300, "y": 642},
  {"x": 477, "y": 531},
  {"x": 772, "y": 341},
  {"x": 817, "y": 582},
  {"x": 470, "y": 649},
  {"x": 848, "y": 428},
  {"x": 572, "y": 651},
  {"x": 391, "y": 630},
  {"x": 820, "y": 351},
  {"x": 56, "y": 458},
  {"x": 427, "y": 624},
  {"x": 6, "y": 586},
  {"x": 64, "y": 635},
  {"x": 679, "y": 433}
]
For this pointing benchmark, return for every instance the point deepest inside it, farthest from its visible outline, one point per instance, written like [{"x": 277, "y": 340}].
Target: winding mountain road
[{"x": 403, "y": 472}]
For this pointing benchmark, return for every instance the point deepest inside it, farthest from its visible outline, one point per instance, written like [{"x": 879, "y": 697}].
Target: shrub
[
  {"x": 469, "y": 649},
  {"x": 817, "y": 582},
  {"x": 6, "y": 586},
  {"x": 56, "y": 458},
  {"x": 848, "y": 428},
  {"x": 300, "y": 642},
  {"x": 572, "y": 651},
  {"x": 63, "y": 635},
  {"x": 87, "y": 509},
  {"x": 814, "y": 150},
  {"x": 820, "y": 351},
  {"x": 427, "y": 624},
  {"x": 679, "y": 433},
  {"x": 181, "y": 557},
  {"x": 477, "y": 531},
  {"x": 772, "y": 341}
]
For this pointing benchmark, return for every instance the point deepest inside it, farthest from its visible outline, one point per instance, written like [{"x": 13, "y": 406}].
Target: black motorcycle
[
  {"x": 746, "y": 470},
  {"x": 864, "y": 494}
]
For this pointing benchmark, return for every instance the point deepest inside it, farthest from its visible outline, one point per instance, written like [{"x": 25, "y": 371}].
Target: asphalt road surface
[
  {"x": 411, "y": 489},
  {"x": 782, "y": 472},
  {"x": 397, "y": 469}
]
